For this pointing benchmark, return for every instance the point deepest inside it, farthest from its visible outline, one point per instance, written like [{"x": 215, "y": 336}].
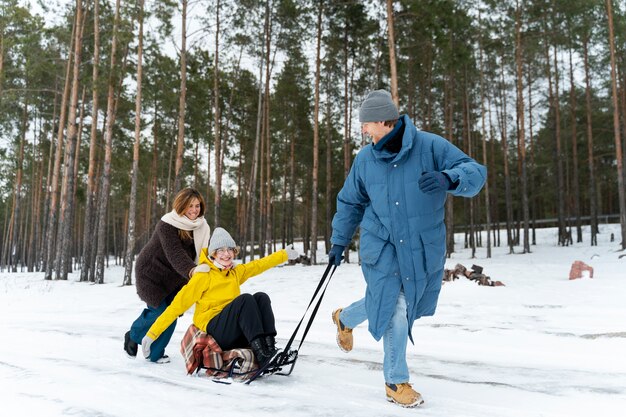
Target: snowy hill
[{"x": 540, "y": 346}]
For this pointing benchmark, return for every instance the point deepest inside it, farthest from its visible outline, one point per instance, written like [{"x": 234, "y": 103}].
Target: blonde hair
[{"x": 181, "y": 203}]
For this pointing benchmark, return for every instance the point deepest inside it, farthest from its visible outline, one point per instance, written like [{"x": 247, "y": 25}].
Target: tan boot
[
  {"x": 403, "y": 394},
  {"x": 344, "y": 334}
]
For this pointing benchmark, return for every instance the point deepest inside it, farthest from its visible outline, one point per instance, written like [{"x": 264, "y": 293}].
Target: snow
[{"x": 540, "y": 346}]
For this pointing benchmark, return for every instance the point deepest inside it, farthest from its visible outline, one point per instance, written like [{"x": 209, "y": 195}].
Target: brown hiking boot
[
  {"x": 344, "y": 334},
  {"x": 403, "y": 394}
]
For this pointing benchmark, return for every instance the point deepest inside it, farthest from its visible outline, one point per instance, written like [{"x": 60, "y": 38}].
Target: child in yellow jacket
[{"x": 234, "y": 320}]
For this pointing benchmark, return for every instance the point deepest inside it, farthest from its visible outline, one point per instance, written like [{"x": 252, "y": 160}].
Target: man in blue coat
[{"x": 396, "y": 192}]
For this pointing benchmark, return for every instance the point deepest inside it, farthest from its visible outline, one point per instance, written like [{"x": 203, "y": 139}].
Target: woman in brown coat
[{"x": 165, "y": 265}]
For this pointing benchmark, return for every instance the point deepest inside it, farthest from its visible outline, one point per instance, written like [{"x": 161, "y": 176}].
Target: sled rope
[{"x": 328, "y": 274}]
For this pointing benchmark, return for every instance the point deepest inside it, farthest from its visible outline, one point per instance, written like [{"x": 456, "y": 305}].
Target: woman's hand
[{"x": 199, "y": 268}]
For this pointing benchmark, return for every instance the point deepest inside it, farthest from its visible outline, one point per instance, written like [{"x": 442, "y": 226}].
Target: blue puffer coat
[{"x": 402, "y": 229}]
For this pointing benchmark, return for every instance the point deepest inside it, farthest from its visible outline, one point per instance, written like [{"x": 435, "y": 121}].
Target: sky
[{"x": 541, "y": 345}]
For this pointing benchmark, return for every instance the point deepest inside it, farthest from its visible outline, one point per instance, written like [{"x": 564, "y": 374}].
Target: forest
[{"x": 108, "y": 108}]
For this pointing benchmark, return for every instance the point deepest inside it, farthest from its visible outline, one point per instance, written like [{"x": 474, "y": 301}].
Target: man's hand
[
  {"x": 336, "y": 255},
  {"x": 434, "y": 182}
]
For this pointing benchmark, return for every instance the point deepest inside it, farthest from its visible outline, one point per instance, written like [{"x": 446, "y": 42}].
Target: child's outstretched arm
[{"x": 253, "y": 268}]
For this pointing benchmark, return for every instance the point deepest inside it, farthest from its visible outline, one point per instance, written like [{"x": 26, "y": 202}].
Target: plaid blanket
[{"x": 200, "y": 350}]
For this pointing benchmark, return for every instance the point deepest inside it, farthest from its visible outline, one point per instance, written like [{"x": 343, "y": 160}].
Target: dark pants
[
  {"x": 143, "y": 323},
  {"x": 243, "y": 320}
]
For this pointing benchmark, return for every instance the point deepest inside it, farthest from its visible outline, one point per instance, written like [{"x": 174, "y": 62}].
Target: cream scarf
[{"x": 200, "y": 228}]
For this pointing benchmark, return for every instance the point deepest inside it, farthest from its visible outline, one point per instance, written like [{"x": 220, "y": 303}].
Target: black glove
[
  {"x": 434, "y": 182},
  {"x": 336, "y": 255}
]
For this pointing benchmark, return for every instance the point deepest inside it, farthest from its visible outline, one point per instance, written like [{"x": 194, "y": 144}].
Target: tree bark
[
  {"x": 257, "y": 144},
  {"x": 106, "y": 168},
  {"x": 218, "y": 139},
  {"x": 392, "y": 53},
  {"x": 180, "y": 144},
  {"x": 575, "y": 180},
  {"x": 130, "y": 245},
  {"x": 316, "y": 137},
  {"x": 505, "y": 156},
  {"x": 329, "y": 174},
  {"x": 67, "y": 188},
  {"x": 90, "y": 198},
  {"x": 41, "y": 243},
  {"x": 484, "y": 146},
  {"x": 521, "y": 121},
  {"x": 14, "y": 235},
  {"x": 52, "y": 216},
  {"x": 347, "y": 149},
  {"x": 616, "y": 129}
]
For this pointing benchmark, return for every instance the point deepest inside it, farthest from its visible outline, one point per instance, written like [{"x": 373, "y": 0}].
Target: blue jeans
[
  {"x": 143, "y": 323},
  {"x": 395, "y": 338}
]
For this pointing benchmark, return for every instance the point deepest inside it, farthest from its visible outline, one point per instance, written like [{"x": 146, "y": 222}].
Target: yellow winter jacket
[{"x": 212, "y": 291}]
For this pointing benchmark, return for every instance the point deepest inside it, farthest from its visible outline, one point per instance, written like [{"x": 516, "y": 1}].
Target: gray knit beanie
[
  {"x": 378, "y": 107},
  {"x": 220, "y": 239}
]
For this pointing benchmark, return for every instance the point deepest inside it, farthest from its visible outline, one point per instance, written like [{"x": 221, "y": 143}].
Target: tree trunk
[
  {"x": 180, "y": 144},
  {"x": 217, "y": 138},
  {"x": 467, "y": 133},
  {"x": 106, "y": 168},
  {"x": 522, "y": 133},
  {"x": 266, "y": 233},
  {"x": 392, "y": 54},
  {"x": 130, "y": 245},
  {"x": 91, "y": 175},
  {"x": 616, "y": 130},
  {"x": 448, "y": 109},
  {"x": 347, "y": 149},
  {"x": 329, "y": 176},
  {"x": 14, "y": 235},
  {"x": 74, "y": 243},
  {"x": 505, "y": 156},
  {"x": 563, "y": 239},
  {"x": 575, "y": 180},
  {"x": 531, "y": 188},
  {"x": 257, "y": 144},
  {"x": 484, "y": 147},
  {"x": 292, "y": 186},
  {"x": 316, "y": 137},
  {"x": 41, "y": 253},
  {"x": 155, "y": 159},
  {"x": 52, "y": 215},
  {"x": 67, "y": 189}
]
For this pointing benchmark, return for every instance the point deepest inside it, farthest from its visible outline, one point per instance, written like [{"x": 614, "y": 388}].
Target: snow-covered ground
[{"x": 540, "y": 346}]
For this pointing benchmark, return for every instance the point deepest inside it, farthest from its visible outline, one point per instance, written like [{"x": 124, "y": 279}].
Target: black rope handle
[{"x": 328, "y": 273}]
